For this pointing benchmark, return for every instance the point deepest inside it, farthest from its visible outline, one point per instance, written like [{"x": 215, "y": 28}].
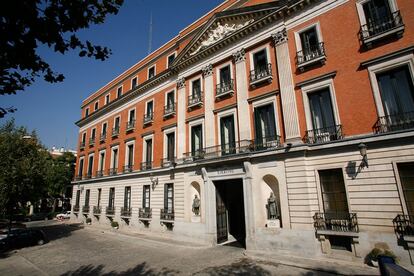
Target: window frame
[
  {"x": 87, "y": 112},
  {"x": 144, "y": 150},
  {"x": 165, "y": 148},
  {"x": 168, "y": 58},
  {"x": 101, "y": 160},
  {"x": 400, "y": 190},
  {"x": 192, "y": 124},
  {"x": 148, "y": 71},
  {"x": 132, "y": 79},
  {"x": 96, "y": 105},
  {"x": 107, "y": 98},
  {"x": 118, "y": 95},
  {"x": 90, "y": 166},
  {"x": 198, "y": 77},
  {"x": 218, "y": 71},
  {"x": 360, "y": 9},
  {"x": 256, "y": 50},
  {"x": 173, "y": 91},
  {"x": 112, "y": 158},
  {"x": 263, "y": 102},
  {"x": 153, "y": 106},
  {"x": 127, "y": 144},
  {"x": 298, "y": 40},
  {"x": 81, "y": 168},
  {"x": 223, "y": 114}
]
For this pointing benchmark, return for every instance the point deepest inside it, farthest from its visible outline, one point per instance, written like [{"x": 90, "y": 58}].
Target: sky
[{"x": 53, "y": 109}]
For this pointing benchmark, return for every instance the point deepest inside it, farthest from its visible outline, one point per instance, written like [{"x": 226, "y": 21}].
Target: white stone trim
[
  {"x": 129, "y": 114},
  {"x": 269, "y": 100},
  {"x": 83, "y": 137},
  {"x": 361, "y": 15},
  {"x": 395, "y": 162},
  {"x": 107, "y": 98},
  {"x": 383, "y": 67},
  {"x": 136, "y": 77},
  {"x": 227, "y": 113},
  {"x": 316, "y": 87},
  {"x": 229, "y": 63},
  {"x": 298, "y": 41},
  {"x": 168, "y": 57},
  {"x": 82, "y": 158},
  {"x": 118, "y": 116},
  {"x": 155, "y": 70},
  {"x": 92, "y": 130},
  {"x": 127, "y": 152},
  {"x": 107, "y": 125},
  {"x": 153, "y": 106},
  {"x": 144, "y": 147},
  {"x": 100, "y": 160},
  {"x": 174, "y": 90},
  {"x": 112, "y": 157},
  {"x": 122, "y": 90},
  {"x": 190, "y": 81},
  {"x": 191, "y": 124},
  {"x": 95, "y": 106},
  {"x": 258, "y": 49},
  {"x": 165, "y": 132},
  {"x": 93, "y": 160}
]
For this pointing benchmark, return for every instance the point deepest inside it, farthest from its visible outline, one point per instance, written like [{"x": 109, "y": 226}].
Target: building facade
[{"x": 285, "y": 125}]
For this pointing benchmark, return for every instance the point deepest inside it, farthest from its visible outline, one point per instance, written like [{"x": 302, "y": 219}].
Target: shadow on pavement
[
  {"x": 59, "y": 231},
  {"x": 242, "y": 267},
  {"x": 140, "y": 269}
]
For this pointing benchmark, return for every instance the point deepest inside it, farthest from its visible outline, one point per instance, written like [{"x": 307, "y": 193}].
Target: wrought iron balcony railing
[
  {"x": 260, "y": 74},
  {"x": 85, "y": 209},
  {"x": 128, "y": 168},
  {"x": 102, "y": 138},
  {"x": 126, "y": 211},
  {"x": 91, "y": 141},
  {"x": 168, "y": 162},
  {"x": 395, "y": 122},
  {"x": 338, "y": 222},
  {"x": 99, "y": 173},
  {"x": 97, "y": 210},
  {"x": 310, "y": 55},
  {"x": 115, "y": 131},
  {"x": 195, "y": 99},
  {"x": 323, "y": 135},
  {"x": 403, "y": 225},
  {"x": 266, "y": 143},
  {"x": 148, "y": 118},
  {"x": 110, "y": 210},
  {"x": 88, "y": 175},
  {"x": 82, "y": 145},
  {"x": 225, "y": 88},
  {"x": 76, "y": 209},
  {"x": 113, "y": 171},
  {"x": 167, "y": 214},
  {"x": 382, "y": 27},
  {"x": 145, "y": 213},
  {"x": 146, "y": 165},
  {"x": 130, "y": 125},
  {"x": 169, "y": 110}
]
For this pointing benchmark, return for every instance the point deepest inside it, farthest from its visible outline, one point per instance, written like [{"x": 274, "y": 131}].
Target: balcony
[
  {"x": 310, "y": 56},
  {"x": 168, "y": 162},
  {"x": 126, "y": 212},
  {"x": 261, "y": 75},
  {"x": 167, "y": 215},
  {"x": 396, "y": 122},
  {"x": 91, "y": 141},
  {"x": 148, "y": 118},
  {"x": 145, "y": 213},
  {"x": 169, "y": 110},
  {"x": 130, "y": 126},
  {"x": 195, "y": 100},
  {"x": 323, "y": 135},
  {"x": 146, "y": 165},
  {"x": 110, "y": 211},
  {"x": 115, "y": 131},
  {"x": 336, "y": 223},
  {"x": 78, "y": 177},
  {"x": 128, "y": 168},
  {"x": 76, "y": 209},
  {"x": 85, "y": 209},
  {"x": 225, "y": 88},
  {"x": 403, "y": 226},
  {"x": 99, "y": 173},
  {"x": 82, "y": 145},
  {"x": 265, "y": 143},
  {"x": 88, "y": 175},
  {"x": 102, "y": 138},
  {"x": 113, "y": 171},
  {"x": 97, "y": 210},
  {"x": 375, "y": 31}
]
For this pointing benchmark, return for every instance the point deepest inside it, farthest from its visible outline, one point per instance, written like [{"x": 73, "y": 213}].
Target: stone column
[
  {"x": 287, "y": 91},
  {"x": 210, "y": 205},
  {"x": 209, "y": 105},
  {"x": 249, "y": 206},
  {"x": 181, "y": 106},
  {"x": 243, "y": 113}
]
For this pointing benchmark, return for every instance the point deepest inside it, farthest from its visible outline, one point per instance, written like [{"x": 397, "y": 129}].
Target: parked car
[
  {"x": 18, "y": 238},
  {"x": 64, "y": 215}
]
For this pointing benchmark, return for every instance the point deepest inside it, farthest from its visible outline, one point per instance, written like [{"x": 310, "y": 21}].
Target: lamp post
[{"x": 363, "y": 151}]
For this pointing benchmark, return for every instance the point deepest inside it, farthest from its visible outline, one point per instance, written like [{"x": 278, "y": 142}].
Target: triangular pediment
[{"x": 223, "y": 26}]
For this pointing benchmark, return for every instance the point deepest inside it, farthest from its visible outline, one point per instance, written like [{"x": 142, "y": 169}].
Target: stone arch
[{"x": 271, "y": 184}]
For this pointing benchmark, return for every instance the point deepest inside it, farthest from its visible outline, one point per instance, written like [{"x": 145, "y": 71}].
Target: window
[
  {"x": 151, "y": 72},
  {"x": 107, "y": 99},
  {"x": 101, "y": 163},
  {"x": 146, "y": 196},
  {"x": 99, "y": 197},
  {"x": 149, "y": 115},
  {"x": 321, "y": 110},
  {"x": 119, "y": 92},
  {"x": 131, "y": 115},
  {"x": 129, "y": 157},
  {"x": 406, "y": 172},
  {"x": 80, "y": 172},
  {"x": 90, "y": 165},
  {"x": 169, "y": 198},
  {"x": 111, "y": 198},
  {"x": 261, "y": 69},
  {"x": 93, "y": 134},
  {"x": 169, "y": 108},
  {"x": 227, "y": 134},
  {"x": 104, "y": 129},
  {"x": 333, "y": 191},
  {"x": 150, "y": 107},
  {"x": 77, "y": 198},
  {"x": 196, "y": 140},
  {"x": 134, "y": 83},
  {"x": 83, "y": 140},
  {"x": 309, "y": 41},
  {"x": 96, "y": 105},
  {"x": 265, "y": 126},
  {"x": 170, "y": 99},
  {"x": 170, "y": 59},
  {"x": 114, "y": 160},
  {"x": 225, "y": 75},
  {"x": 196, "y": 88},
  {"x": 87, "y": 195},
  {"x": 87, "y": 112},
  {"x": 171, "y": 146},
  {"x": 260, "y": 60},
  {"x": 309, "y": 45},
  {"x": 127, "y": 198},
  {"x": 148, "y": 151},
  {"x": 117, "y": 123}
]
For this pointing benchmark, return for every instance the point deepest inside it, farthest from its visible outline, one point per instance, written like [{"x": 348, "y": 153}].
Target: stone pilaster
[
  {"x": 287, "y": 91},
  {"x": 243, "y": 113},
  {"x": 181, "y": 107},
  {"x": 209, "y": 105}
]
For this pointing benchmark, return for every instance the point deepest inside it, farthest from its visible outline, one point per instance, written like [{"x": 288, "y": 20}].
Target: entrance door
[{"x": 221, "y": 215}]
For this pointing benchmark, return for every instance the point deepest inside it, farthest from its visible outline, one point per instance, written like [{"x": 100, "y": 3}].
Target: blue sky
[{"x": 52, "y": 109}]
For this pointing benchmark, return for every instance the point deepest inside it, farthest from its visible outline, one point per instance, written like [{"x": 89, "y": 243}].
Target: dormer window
[
  {"x": 87, "y": 112},
  {"x": 107, "y": 99},
  {"x": 134, "y": 83},
  {"x": 96, "y": 105},
  {"x": 170, "y": 59},
  {"x": 119, "y": 92},
  {"x": 151, "y": 72}
]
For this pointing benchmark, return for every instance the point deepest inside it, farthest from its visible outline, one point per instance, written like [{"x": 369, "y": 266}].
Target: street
[{"x": 77, "y": 250}]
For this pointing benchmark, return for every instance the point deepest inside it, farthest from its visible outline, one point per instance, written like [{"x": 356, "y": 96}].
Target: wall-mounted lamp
[
  {"x": 154, "y": 181},
  {"x": 363, "y": 151}
]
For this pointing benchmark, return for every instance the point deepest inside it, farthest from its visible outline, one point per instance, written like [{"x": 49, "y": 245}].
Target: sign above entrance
[{"x": 224, "y": 171}]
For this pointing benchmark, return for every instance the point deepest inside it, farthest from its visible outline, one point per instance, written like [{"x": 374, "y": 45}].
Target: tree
[{"x": 25, "y": 24}]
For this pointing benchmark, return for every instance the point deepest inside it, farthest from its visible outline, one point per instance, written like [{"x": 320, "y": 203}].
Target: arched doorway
[{"x": 271, "y": 199}]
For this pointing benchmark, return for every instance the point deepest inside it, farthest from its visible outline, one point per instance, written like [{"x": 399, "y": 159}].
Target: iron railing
[
  {"x": 97, "y": 210},
  {"x": 169, "y": 109},
  {"x": 99, "y": 173},
  {"x": 76, "y": 208},
  {"x": 225, "y": 88},
  {"x": 325, "y": 134},
  {"x": 102, "y": 137},
  {"x": 128, "y": 168},
  {"x": 403, "y": 225},
  {"x": 91, "y": 141},
  {"x": 146, "y": 165},
  {"x": 266, "y": 143},
  {"x": 195, "y": 99},
  {"x": 167, "y": 214},
  {"x": 148, "y": 118},
  {"x": 312, "y": 53},
  {"x": 130, "y": 125},
  {"x": 110, "y": 210},
  {"x": 261, "y": 73},
  {"x": 113, "y": 171},
  {"x": 336, "y": 221},
  {"x": 126, "y": 211},
  {"x": 145, "y": 213},
  {"x": 85, "y": 209},
  {"x": 381, "y": 26},
  {"x": 168, "y": 162},
  {"x": 88, "y": 175},
  {"x": 115, "y": 131},
  {"x": 395, "y": 122}
]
